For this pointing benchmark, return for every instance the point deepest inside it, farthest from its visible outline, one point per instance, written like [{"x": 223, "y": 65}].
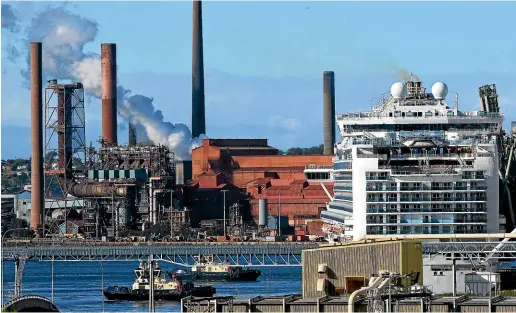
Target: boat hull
[
  {"x": 125, "y": 294},
  {"x": 247, "y": 275}
]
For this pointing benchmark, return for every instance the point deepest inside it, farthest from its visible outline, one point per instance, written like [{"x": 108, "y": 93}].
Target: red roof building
[{"x": 257, "y": 168}]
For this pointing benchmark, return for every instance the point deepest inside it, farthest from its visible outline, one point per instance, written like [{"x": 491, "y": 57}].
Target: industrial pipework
[
  {"x": 374, "y": 282},
  {"x": 108, "y": 79},
  {"x": 198, "y": 106},
  {"x": 329, "y": 112},
  {"x": 100, "y": 190},
  {"x": 37, "y": 182}
]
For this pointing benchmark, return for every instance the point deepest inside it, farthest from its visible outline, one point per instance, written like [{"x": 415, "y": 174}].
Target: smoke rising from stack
[
  {"x": 10, "y": 26},
  {"x": 64, "y": 36},
  {"x": 405, "y": 74}
]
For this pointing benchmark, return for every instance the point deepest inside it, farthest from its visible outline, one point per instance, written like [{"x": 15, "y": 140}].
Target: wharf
[
  {"x": 270, "y": 254},
  {"x": 296, "y": 303},
  {"x": 246, "y": 253}
]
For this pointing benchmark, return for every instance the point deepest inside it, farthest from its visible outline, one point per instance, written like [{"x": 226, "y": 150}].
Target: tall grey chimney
[
  {"x": 198, "y": 108},
  {"x": 329, "y": 111}
]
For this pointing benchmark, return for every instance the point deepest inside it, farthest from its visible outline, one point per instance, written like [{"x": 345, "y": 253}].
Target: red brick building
[{"x": 257, "y": 168}]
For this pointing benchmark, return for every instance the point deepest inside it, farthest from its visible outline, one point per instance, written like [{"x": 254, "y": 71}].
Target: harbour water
[{"x": 77, "y": 285}]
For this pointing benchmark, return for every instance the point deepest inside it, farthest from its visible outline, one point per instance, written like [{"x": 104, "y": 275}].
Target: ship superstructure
[
  {"x": 415, "y": 165},
  {"x": 206, "y": 268}
]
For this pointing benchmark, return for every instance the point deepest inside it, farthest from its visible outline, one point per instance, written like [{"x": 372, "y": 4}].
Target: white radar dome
[
  {"x": 398, "y": 90},
  {"x": 439, "y": 90}
]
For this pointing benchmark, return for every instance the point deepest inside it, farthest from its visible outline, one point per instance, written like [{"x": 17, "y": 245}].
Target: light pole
[
  {"x": 101, "y": 283},
  {"x": 279, "y": 213},
  {"x": 53, "y": 278},
  {"x": 224, "y": 193},
  {"x": 490, "y": 296},
  {"x": 151, "y": 285},
  {"x": 17, "y": 278},
  {"x": 171, "y": 209}
]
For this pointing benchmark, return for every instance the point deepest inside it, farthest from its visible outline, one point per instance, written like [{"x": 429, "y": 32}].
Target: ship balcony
[
  {"x": 404, "y": 156},
  {"x": 464, "y": 115},
  {"x": 342, "y": 188},
  {"x": 345, "y": 198},
  {"x": 429, "y": 210},
  {"x": 426, "y": 232},
  {"x": 428, "y": 188},
  {"x": 427, "y": 199},
  {"x": 323, "y": 168},
  {"x": 473, "y": 177},
  {"x": 425, "y": 222},
  {"x": 379, "y": 177},
  {"x": 430, "y": 172}
]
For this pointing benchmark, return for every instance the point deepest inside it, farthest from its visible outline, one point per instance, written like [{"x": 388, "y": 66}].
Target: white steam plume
[
  {"x": 9, "y": 19},
  {"x": 139, "y": 110},
  {"x": 64, "y": 36}
]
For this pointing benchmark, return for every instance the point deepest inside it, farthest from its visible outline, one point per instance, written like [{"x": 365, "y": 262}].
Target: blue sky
[{"x": 264, "y": 60}]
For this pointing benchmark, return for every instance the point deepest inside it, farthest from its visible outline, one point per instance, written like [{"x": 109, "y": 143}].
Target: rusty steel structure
[
  {"x": 329, "y": 111},
  {"x": 108, "y": 92},
  {"x": 122, "y": 187},
  {"x": 198, "y": 105},
  {"x": 37, "y": 176},
  {"x": 65, "y": 146}
]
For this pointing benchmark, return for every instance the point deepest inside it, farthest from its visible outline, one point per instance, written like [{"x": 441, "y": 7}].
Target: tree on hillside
[{"x": 304, "y": 151}]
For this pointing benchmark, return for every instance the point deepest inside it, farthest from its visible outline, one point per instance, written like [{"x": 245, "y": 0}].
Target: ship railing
[
  {"x": 385, "y": 114},
  {"x": 424, "y": 172},
  {"x": 430, "y": 210},
  {"x": 424, "y": 199},
  {"x": 421, "y": 155},
  {"x": 427, "y": 188},
  {"x": 397, "y": 142},
  {"x": 318, "y": 167}
]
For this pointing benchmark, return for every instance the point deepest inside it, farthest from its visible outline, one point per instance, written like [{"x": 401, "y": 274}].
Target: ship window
[
  {"x": 419, "y": 113},
  {"x": 429, "y": 113},
  {"x": 403, "y": 114},
  {"x": 390, "y": 114}
]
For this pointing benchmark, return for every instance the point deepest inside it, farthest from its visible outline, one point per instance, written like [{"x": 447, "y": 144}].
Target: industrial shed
[{"x": 349, "y": 266}]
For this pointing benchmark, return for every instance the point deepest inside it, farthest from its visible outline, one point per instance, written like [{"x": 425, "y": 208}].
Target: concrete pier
[{"x": 296, "y": 303}]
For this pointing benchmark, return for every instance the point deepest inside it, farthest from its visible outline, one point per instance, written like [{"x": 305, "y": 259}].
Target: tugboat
[
  {"x": 174, "y": 290},
  {"x": 211, "y": 271}
]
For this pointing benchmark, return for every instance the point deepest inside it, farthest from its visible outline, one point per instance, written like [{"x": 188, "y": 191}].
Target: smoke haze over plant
[{"x": 64, "y": 35}]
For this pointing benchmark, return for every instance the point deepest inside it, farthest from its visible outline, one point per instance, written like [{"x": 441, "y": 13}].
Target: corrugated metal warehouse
[{"x": 359, "y": 260}]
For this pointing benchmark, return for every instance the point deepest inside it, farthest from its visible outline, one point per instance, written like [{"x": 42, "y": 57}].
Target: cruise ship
[{"x": 415, "y": 164}]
